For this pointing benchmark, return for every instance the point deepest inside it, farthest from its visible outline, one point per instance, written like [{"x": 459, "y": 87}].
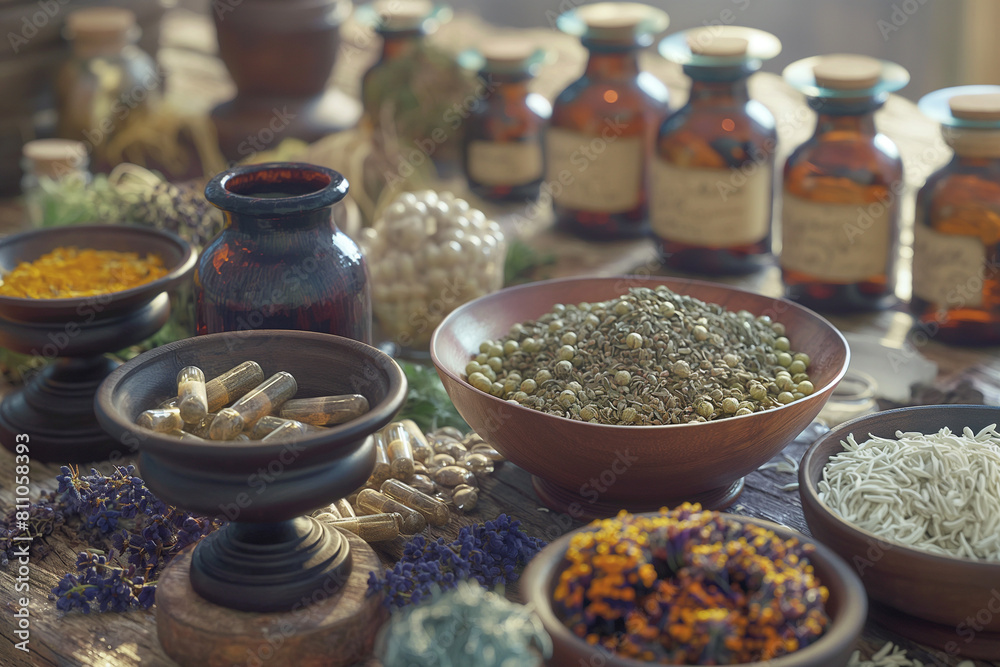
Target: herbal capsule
[
  {"x": 290, "y": 429},
  {"x": 465, "y": 497},
  {"x": 424, "y": 484},
  {"x": 440, "y": 442},
  {"x": 260, "y": 401},
  {"x": 200, "y": 428},
  {"x": 400, "y": 451},
  {"x": 372, "y": 527},
  {"x": 242, "y": 437},
  {"x": 488, "y": 451},
  {"x": 172, "y": 402},
  {"x": 268, "y": 423},
  {"x": 233, "y": 384},
  {"x": 450, "y": 432},
  {"x": 433, "y": 510},
  {"x": 440, "y": 461},
  {"x": 478, "y": 463},
  {"x": 343, "y": 508},
  {"x": 454, "y": 449},
  {"x": 184, "y": 435},
  {"x": 382, "y": 468},
  {"x": 161, "y": 421},
  {"x": 325, "y": 410},
  {"x": 453, "y": 476},
  {"x": 191, "y": 394},
  {"x": 374, "y": 502},
  {"x": 422, "y": 449}
]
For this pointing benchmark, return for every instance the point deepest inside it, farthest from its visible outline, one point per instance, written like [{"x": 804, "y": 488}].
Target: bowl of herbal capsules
[
  {"x": 637, "y": 392},
  {"x": 911, "y": 498}
]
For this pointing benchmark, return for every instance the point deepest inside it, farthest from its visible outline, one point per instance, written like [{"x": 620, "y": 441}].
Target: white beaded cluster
[{"x": 429, "y": 253}]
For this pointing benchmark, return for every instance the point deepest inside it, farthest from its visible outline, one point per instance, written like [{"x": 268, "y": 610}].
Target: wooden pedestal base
[{"x": 337, "y": 628}]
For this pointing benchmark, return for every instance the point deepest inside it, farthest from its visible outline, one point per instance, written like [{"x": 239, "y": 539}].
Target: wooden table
[{"x": 122, "y": 640}]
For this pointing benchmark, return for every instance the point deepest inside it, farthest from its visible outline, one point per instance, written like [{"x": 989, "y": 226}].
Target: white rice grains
[{"x": 939, "y": 493}]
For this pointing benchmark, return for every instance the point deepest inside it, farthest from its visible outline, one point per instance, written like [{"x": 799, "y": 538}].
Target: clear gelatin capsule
[
  {"x": 440, "y": 461},
  {"x": 375, "y": 502},
  {"x": 422, "y": 449},
  {"x": 454, "y": 475},
  {"x": 268, "y": 423},
  {"x": 434, "y": 510},
  {"x": 161, "y": 420},
  {"x": 465, "y": 497},
  {"x": 325, "y": 410},
  {"x": 233, "y": 384},
  {"x": 478, "y": 463},
  {"x": 290, "y": 429},
  {"x": 192, "y": 396},
  {"x": 184, "y": 435},
  {"x": 200, "y": 428},
  {"x": 343, "y": 508},
  {"x": 261, "y": 400},
  {"x": 372, "y": 527},
  {"x": 382, "y": 468},
  {"x": 397, "y": 442},
  {"x": 423, "y": 483}
]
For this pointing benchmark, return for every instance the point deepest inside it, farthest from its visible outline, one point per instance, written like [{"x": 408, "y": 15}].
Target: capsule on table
[
  {"x": 261, "y": 400},
  {"x": 372, "y": 527},
  {"x": 375, "y": 502},
  {"x": 397, "y": 441},
  {"x": 434, "y": 510},
  {"x": 343, "y": 508},
  {"x": 382, "y": 468},
  {"x": 423, "y": 483},
  {"x": 184, "y": 435},
  {"x": 450, "y": 432},
  {"x": 465, "y": 497},
  {"x": 478, "y": 463},
  {"x": 192, "y": 396},
  {"x": 161, "y": 421},
  {"x": 453, "y": 476},
  {"x": 440, "y": 461},
  {"x": 268, "y": 423},
  {"x": 325, "y": 410},
  {"x": 488, "y": 451},
  {"x": 200, "y": 428},
  {"x": 233, "y": 384},
  {"x": 290, "y": 429},
  {"x": 422, "y": 449}
]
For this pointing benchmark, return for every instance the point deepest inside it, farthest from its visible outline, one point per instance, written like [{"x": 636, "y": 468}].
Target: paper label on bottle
[
  {"x": 594, "y": 173},
  {"x": 719, "y": 208},
  {"x": 504, "y": 163},
  {"x": 948, "y": 268},
  {"x": 839, "y": 243}
]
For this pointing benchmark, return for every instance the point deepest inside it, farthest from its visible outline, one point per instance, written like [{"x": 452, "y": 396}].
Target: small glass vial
[
  {"x": 435, "y": 511},
  {"x": 712, "y": 178},
  {"x": 46, "y": 162},
  {"x": 108, "y": 81},
  {"x": 325, "y": 410},
  {"x": 373, "y": 502},
  {"x": 956, "y": 286},
  {"x": 244, "y": 413},
  {"x": 161, "y": 420},
  {"x": 502, "y": 154},
  {"x": 604, "y": 124},
  {"x": 191, "y": 394},
  {"x": 233, "y": 384},
  {"x": 841, "y": 188}
]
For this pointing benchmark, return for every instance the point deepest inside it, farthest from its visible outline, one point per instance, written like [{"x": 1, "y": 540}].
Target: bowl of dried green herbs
[{"x": 637, "y": 393}]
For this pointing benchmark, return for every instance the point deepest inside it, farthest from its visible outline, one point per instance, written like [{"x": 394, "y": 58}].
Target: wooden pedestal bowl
[
  {"x": 947, "y": 602},
  {"x": 846, "y": 606},
  {"x": 592, "y": 470},
  {"x": 269, "y": 557},
  {"x": 55, "y": 406}
]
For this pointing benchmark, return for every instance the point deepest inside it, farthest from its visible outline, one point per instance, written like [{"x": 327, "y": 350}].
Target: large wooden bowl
[
  {"x": 591, "y": 470},
  {"x": 950, "y": 603},
  {"x": 846, "y": 606}
]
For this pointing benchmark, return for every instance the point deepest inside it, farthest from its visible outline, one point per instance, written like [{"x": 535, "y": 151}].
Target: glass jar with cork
[
  {"x": 712, "y": 177},
  {"x": 841, "y": 188},
  {"x": 502, "y": 154},
  {"x": 956, "y": 285},
  {"x": 107, "y": 79},
  {"x": 604, "y": 124},
  {"x": 46, "y": 163}
]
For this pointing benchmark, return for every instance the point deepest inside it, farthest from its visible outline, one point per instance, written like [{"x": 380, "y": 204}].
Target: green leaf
[{"x": 427, "y": 402}]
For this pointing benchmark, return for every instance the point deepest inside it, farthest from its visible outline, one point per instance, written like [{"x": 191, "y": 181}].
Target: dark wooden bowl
[
  {"x": 846, "y": 606},
  {"x": 950, "y": 603},
  {"x": 593, "y": 470},
  {"x": 178, "y": 256},
  {"x": 204, "y": 476}
]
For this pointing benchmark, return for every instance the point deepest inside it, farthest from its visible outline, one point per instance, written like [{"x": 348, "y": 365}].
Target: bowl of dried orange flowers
[
  {"x": 693, "y": 587},
  {"x": 68, "y": 296}
]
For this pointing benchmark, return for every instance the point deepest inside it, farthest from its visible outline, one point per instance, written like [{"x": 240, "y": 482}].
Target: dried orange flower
[{"x": 70, "y": 272}]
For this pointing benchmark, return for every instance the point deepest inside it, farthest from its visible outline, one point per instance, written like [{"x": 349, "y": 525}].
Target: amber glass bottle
[
  {"x": 841, "y": 189},
  {"x": 712, "y": 177},
  {"x": 956, "y": 274},
  {"x": 604, "y": 124},
  {"x": 502, "y": 154}
]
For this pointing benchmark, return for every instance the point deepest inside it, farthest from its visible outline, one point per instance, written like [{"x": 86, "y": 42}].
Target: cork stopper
[
  {"x": 55, "y": 158},
  {"x": 976, "y": 107},
  {"x": 507, "y": 53},
  {"x": 847, "y": 72},
  {"x": 704, "y": 43},
  {"x": 402, "y": 15},
  {"x": 621, "y": 21},
  {"x": 100, "y": 24}
]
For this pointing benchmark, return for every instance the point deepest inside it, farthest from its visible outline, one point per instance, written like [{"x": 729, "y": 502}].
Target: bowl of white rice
[{"x": 911, "y": 499}]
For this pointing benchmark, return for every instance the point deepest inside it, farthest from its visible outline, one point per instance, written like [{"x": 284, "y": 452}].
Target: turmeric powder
[{"x": 68, "y": 272}]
